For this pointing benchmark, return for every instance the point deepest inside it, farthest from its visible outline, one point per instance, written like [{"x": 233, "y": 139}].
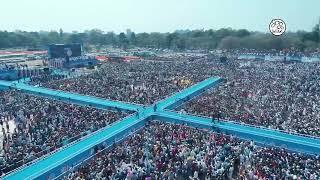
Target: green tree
[
  {"x": 133, "y": 38},
  {"x": 123, "y": 41},
  {"x": 95, "y": 36}
]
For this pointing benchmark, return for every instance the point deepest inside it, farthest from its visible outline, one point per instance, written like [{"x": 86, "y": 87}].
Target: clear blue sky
[{"x": 155, "y": 15}]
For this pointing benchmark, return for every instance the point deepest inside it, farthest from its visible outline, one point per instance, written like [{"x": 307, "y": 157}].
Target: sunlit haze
[{"x": 155, "y": 15}]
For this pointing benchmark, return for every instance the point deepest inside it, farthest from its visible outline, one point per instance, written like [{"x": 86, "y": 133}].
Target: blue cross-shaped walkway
[{"x": 75, "y": 153}]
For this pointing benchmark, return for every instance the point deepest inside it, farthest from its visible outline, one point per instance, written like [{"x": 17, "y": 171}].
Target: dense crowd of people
[
  {"x": 169, "y": 151},
  {"x": 270, "y": 94},
  {"x": 42, "y": 125},
  {"x": 278, "y": 95},
  {"x": 47, "y": 77},
  {"x": 141, "y": 82},
  {"x": 274, "y": 52}
]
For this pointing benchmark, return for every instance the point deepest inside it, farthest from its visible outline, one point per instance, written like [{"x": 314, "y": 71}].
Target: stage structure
[{"x": 69, "y": 56}]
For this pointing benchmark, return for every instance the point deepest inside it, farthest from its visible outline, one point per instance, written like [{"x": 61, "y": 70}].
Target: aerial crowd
[
  {"x": 170, "y": 151},
  {"x": 277, "y": 95},
  {"x": 263, "y": 93},
  {"x": 274, "y": 52},
  {"x": 137, "y": 82},
  {"x": 270, "y": 94},
  {"x": 42, "y": 125}
]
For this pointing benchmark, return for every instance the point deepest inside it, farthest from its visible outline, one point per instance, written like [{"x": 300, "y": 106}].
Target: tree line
[{"x": 225, "y": 38}]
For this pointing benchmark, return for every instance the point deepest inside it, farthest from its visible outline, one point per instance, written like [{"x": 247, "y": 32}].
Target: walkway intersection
[{"x": 75, "y": 153}]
